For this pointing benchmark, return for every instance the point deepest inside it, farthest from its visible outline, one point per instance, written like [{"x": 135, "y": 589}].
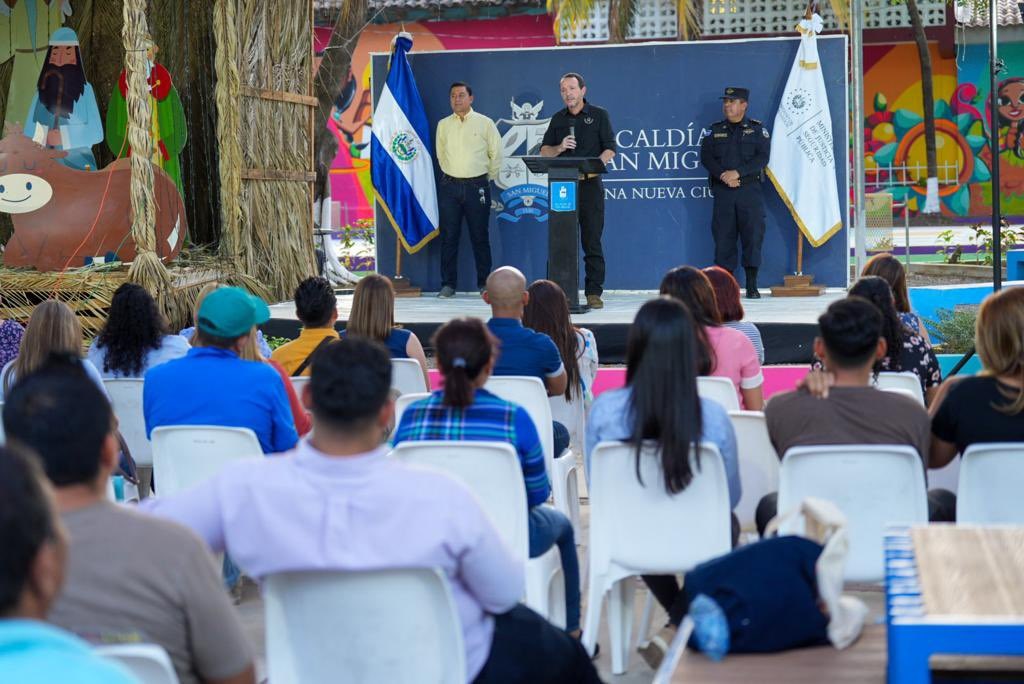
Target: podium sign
[{"x": 563, "y": 220}]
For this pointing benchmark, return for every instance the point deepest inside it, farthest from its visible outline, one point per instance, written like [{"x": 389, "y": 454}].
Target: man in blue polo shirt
[
  {"x": 211, "y": 385},
  {"x": 524, "y": 351}
]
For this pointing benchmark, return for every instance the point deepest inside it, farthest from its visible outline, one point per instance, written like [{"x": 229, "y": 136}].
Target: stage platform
[{"x": 787, "y": 325}]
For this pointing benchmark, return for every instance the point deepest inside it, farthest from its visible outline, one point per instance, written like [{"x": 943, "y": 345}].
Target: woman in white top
[
  {"x": 547, "y": 311},
  {"x": 52, "y": 329},
  {"x": 135, "y": 337}
]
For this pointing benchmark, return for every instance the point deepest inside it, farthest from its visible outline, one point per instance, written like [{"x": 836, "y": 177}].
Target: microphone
[{"x": 572, "y": 131}]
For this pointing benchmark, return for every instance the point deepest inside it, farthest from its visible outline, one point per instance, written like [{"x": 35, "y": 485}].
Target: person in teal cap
[{"x": 63, "y": 114}]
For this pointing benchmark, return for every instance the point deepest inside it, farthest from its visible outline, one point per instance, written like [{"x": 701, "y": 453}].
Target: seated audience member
[
  {"x": 888, "y": 268},
  {"x": 53, "y": 328},
  {"x": 842, "y": 407},
  {"x": 373, "y": 317},
  {"x": 464, "y": 410},
  {"x": 660, "y": 403},
  {"x": 31, "y": 571},
  {"x": 189, "y": 332},
  {"x": 731, "y": 354},
  {"x": 11, "y": 333},
  {"x": 906, "y": 350},
  {"x": 130, "y": 577},
  {"x": 547, "y": 312},
  {"x": 135, "y": 337},
  {"x": 988, "y": 407},
  {"x": 316, "y": 307},
  {"x": 730, "y": 308},
  {"x": 350, "y": 507},
  {"x": 251, "y": 352},
  {"x": 523, "y": 351},
  {"x": 212, "y": 385}
]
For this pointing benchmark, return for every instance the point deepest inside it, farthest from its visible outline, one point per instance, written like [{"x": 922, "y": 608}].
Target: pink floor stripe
[{"x": 776, "y": 379}]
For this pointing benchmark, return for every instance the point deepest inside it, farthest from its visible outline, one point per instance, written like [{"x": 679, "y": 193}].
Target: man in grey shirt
[
  {"x": 130, "y": 577},
  {"x": 840, "y": 406}
]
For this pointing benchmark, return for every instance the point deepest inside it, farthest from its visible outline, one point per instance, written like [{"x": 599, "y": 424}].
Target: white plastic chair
[
  {"x": 946, "y": 477},
  {"x": 403, "y": 402},
  {"x": 407, "y": 376},
  {"x": 2, "y": 437},
  {"x": 126, "y": 399},
  {"x": 530, "y": 393},
  {"x": 397, "y": 625},
  {"x": 991, "y": 482},
  {"x": 492, "y": 471},
  {"x": 874, "y": 485},
  {"x": 719, "y": 389},
  {"x": 149, "y": 663},
  {"x": 902, "y": 380},
  {"x": 758, "y": 461},
  {"x": 298, "y": 383},
  {"x": 185, "y": 455},
  {"x": 641, "y": 529}
]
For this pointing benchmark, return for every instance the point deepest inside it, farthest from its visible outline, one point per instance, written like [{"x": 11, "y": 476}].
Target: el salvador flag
[{"x": 403, "y": 163}]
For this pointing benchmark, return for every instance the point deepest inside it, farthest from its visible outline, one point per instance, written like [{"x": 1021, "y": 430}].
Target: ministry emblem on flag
[{"x": 405, "y": 146}]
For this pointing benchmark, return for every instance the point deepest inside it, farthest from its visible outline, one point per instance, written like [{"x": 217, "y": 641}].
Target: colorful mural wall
[
  {"x": 351, "y": 189},
  {"x": 894, "y": 142}
]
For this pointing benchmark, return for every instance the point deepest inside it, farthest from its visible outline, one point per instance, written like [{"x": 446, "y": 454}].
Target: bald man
[{"x": 523, "y": 351}]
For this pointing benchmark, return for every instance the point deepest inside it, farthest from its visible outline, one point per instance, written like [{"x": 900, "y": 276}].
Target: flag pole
[{"x": 799, "y": 252}]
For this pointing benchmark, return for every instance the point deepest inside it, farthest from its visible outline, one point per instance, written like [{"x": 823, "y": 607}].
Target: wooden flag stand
[
  {"x": 799, "y": 284},
  {"x": 402, "y": 286}
]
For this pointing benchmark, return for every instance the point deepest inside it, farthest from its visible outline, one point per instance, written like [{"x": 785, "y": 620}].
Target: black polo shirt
[{"x": 592, "y": 127}]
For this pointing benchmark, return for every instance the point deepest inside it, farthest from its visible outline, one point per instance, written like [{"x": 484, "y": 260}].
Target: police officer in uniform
[
  {"x": 584, "y": 130},
  {"x": 735, "y": 154}
]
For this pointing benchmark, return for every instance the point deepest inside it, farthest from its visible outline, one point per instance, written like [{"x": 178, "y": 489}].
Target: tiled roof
[{"x": 974, "y": 13}]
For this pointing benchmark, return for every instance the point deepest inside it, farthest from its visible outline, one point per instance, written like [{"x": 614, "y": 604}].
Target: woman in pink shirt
[{"x": 730, "y": 353}]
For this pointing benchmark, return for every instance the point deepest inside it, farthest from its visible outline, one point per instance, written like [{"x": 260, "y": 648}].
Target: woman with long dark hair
[
  {"x": 724, "y": 352},
  {"x": 464, "y": 410},
  {"x": 660, "y": 403},
  {"x": 888, "y": 268},
  {"x": 906, "y": 350},
  {"x": 135, "y": 337},
  {"x": 547, "y": 311}
]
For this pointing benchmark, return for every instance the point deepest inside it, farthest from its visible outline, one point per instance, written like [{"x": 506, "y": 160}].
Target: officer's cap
[{"x": 733, "y": 93}]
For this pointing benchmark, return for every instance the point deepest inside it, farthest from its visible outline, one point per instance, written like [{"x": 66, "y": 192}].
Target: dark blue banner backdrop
[{"x": 661, "y": 98}]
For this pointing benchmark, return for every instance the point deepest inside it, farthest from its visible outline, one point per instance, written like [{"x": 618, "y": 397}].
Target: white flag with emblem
[{"x": 802, "y": 165}]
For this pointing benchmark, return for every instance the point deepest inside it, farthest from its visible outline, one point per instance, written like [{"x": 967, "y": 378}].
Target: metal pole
[
  {"x": 906, "y": 232},
  {"x": 857, "y": 109},
  {"x": 993, "y": 96}
]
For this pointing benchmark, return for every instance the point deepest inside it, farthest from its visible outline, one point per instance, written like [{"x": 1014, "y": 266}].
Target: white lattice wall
[
  {"x": 729, "y": 17},
  {"x": 655, "y": 19}
]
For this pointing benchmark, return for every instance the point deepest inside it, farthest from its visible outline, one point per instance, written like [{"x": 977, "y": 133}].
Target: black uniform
[
  {"x": 743, "y": 147},
  {"x": 593, "y": 132}
]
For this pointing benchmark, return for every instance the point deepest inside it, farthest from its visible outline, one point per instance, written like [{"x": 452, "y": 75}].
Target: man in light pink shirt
[{"x": 338, "y": 502}]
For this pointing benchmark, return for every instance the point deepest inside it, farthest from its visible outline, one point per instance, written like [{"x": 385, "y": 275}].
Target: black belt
[
  {"x": 474, "y": 179},
  {"x": 749, "y": 179}
]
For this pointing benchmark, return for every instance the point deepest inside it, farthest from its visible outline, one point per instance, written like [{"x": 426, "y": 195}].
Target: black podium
[{"x": 563, "y": 220}]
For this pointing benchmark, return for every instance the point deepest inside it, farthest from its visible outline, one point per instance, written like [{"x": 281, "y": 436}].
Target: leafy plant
[
  {"x": 950, "y": 252},
  {"x": 952, "y": 330},
  {"x": 275, "y": 342},
  {"x": 362, "y": 231}
]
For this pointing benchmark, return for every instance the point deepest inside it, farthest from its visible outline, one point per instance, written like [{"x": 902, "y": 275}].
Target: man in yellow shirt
[
  {"x": 469, "y": 154},
  {"x": 316, "y": 306}
]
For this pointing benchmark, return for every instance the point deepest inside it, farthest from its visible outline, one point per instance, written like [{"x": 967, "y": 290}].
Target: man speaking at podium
[{"x": 583, "y": 130}]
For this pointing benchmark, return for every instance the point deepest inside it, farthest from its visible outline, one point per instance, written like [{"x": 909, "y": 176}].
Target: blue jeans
[
  {"x": 230, "y": 573},
  {"x": 561, "y": 437},
  {"x": 547, "y": 528}
]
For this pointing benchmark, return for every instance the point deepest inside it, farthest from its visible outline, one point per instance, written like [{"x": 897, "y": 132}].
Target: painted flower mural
[{"x": 894, "y": 147}]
